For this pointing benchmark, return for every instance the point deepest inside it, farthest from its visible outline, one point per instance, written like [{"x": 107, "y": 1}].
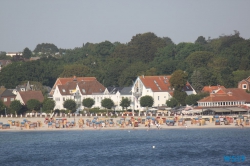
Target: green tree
[
  {"x": 70, "y": 105},
  {"x": 197, "y": 80},
  {"x": 201, "y": 40},
  {"x": 192, "y": 99},
  {"x": 146, "y": 101},
  {"x": 172, "y": 102},
  {"x": 125, "y": 103},
  {"x": 27, "y": 53},
  {"x": 199, "y": 59},
  {"x": 178, "y": 80},
  {"x": 88, "y": 102},
  {"x": 48, "y": 105},
  {"x": 107, "y": 103},
  {"x": 78, "y": 70},
  {"x": 46, "y": 48},
  {"x": 180, "y": 96},
  {"x": 2, "y": 107},
  {"x": 33, "y": 104},
  {"x": 15, "y": 106}
]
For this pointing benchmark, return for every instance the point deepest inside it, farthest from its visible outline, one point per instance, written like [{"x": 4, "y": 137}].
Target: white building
[
  {"x": 156, "y": 86},
  {"x": 88, "y": 87}
]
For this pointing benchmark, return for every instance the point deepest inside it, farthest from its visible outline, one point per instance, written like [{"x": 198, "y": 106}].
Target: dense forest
[{"x": 224, "y": 60}]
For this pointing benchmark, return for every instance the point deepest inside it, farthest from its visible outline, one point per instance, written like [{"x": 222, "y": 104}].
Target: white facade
[
  {"x": 97, "y": 97},
  {"x": 156, "y": 86},
  {"x": 139, "y": 90}
]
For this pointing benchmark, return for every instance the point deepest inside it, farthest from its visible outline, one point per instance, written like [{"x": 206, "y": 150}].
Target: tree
[
  {"x": 2, "y": 107},
  {"x": 107, "y": 103},
  {"x": 146, "y": 101},
  {"x": 88, "y": 102},
  {"x": 125, "y": 103},
  {"x": 48, "y": 105},
  {"x": 178, "y": 80},
  {"x": 15, "y": 106},
  {"x": 201, "y": 40},
  {"x": 180, "y": 96},
  {"x": 70, "y": 105},
  {"x": 172, "y": 102},
  {"x": 192, "y": 99},
  {"x": 75, "y": 69},
  {"x": 27, "y": 53},
  {"x": 46, "y": 48},
  {"x": 197, "y": 80},
  {"x": 33, "y": 104}
]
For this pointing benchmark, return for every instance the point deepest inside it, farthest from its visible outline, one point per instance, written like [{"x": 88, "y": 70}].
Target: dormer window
[
  {"x": 83, "y": 91},
  {"x": 244, "y": 86},
  {"x": 63, "y": 90}
]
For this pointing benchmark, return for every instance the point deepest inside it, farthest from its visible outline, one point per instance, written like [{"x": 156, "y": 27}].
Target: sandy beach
[{"x": 44, "y": 126}]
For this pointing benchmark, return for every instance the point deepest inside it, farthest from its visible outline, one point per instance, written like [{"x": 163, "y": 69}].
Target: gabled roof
[
  {"x": 211, "y": 89},
  {"x": 7, "y": 93},
  {"x": 90, "y": 87},
  {"x": 160, "y": 83},
  {"x": 63, "y": 81},
  {"x": 27, "y": 95},
  {"x": 230, "y": 94},
  {"x": 86, "y": 87}
]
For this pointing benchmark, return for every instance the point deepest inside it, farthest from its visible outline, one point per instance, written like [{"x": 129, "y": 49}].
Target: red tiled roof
[
  {"x": 63, "y": 81},
  {"x": 230, "y": 94},
  {"x": 160, "y": 83},
  {"x": 27, "y": 95},
  {"x": 89, "y": 86},
  {"x": 210, "y": 89}
]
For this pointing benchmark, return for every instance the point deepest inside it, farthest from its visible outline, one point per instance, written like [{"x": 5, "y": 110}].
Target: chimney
[{"x": 74, "y": 78}]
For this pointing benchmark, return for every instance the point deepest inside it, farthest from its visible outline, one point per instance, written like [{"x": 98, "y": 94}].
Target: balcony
[{"x": 137, "y": 94}]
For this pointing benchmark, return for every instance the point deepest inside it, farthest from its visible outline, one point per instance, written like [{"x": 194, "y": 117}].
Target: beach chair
[
  {"x": 170, "y": 122},
  {"x": 217, "y": 122},
  {"x": 49, "y": 125},
  {"x": 22, "y": 124}
]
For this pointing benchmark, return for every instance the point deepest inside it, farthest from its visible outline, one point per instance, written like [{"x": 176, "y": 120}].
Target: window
[
  {"x": 63, "y": 98},
  {"x": 5, "y": 99},
  {"x": 11, "y": 99},
  {"x": 158, "y": 97},
  {"x": 63, "y": 90},
  {"x": 244, "y": 86},
  {"x": 83, "y": 91},
  {"x": 57, "y": 99}
]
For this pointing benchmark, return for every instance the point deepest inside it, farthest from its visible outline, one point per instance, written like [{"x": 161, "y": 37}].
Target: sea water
[{"x": 124, "y": 147}]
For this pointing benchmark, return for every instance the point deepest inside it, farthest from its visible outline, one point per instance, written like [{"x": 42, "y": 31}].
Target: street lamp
[{"x": 5, "y": 112}]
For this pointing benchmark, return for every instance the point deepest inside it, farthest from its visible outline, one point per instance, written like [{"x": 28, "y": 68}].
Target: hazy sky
[{"x": 70, "y": 23}]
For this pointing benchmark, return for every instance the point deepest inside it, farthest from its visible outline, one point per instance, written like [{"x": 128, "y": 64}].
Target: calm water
[{"x": 123, "y": 147}]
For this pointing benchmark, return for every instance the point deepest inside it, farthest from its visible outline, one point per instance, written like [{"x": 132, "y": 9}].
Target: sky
[{"x": 70, "y": 23}]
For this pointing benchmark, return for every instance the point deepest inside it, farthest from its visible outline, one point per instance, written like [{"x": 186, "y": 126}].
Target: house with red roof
[
  {"x": 222, "y": 97},
  {"x": 6, "y": 96},
  {"x": 63, "y": 81},
  {"x": 78, "y": 89},
  {"x": 24, "y": 96},
  {"x": 158, "y": 87},
  {"x": 244, "y": 84}
]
